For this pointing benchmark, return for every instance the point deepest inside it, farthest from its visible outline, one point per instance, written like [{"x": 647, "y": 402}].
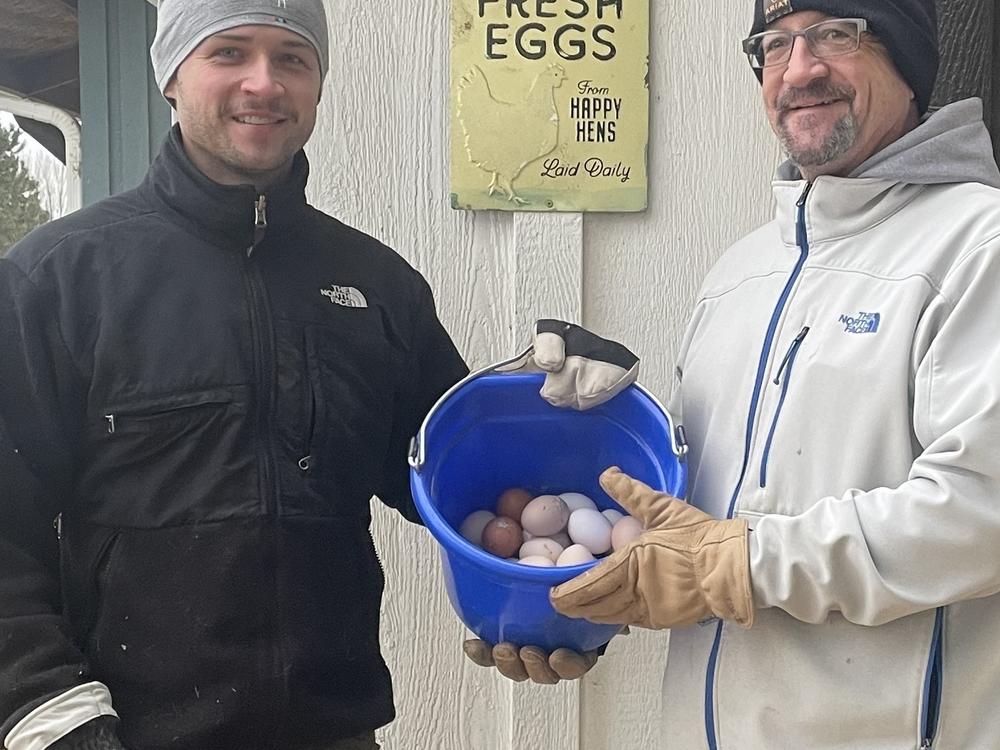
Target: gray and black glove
[
  {"x": 96, "y": 734},
  {"x": 583, "y": 369}
]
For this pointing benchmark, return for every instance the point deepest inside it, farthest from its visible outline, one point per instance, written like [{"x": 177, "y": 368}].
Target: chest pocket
[
  {"x": 351, "y": 382},
  {"x": 170, "y": 458}
]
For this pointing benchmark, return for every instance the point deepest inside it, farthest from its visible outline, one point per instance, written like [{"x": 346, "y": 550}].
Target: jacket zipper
[
  {"x": 932, "y": 686},
  {"x": 306, "y": 461},
  {"x": 263, "y": 360},
  {"x": 802, "y": 240},
  {"x": 786, "y": 368},
  {"x": 114, "y": 419},
  {"x": 260, "y": 325}
]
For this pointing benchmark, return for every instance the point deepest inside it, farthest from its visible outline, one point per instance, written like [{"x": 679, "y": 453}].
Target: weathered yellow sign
[{"x": 549, "y": 104}]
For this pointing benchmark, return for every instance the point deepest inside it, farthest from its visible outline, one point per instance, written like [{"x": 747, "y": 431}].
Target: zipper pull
[
  {"x": 57, "y": 525},
  {"x": 111, "y": 423},
  {"x": 259, "y": 223},
  {"x": 800, "y": 222},
  {"x": 788, "y": 355},
  {"x": 802, "y": 198}
]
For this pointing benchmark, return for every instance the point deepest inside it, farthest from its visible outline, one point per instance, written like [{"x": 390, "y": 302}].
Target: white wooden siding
[{"x": 380, "y": 162}]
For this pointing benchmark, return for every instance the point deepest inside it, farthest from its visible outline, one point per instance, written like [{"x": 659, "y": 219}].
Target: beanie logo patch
[{"x": 776, "y": 9}]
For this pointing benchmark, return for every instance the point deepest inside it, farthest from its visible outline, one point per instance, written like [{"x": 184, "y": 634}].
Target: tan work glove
[
  {"x": 685, "y": 567},
  {"x": 530, "y": 662}
]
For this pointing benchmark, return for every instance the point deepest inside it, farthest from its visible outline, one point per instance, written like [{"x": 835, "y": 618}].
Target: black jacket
[{"x": 208, "y": 403}]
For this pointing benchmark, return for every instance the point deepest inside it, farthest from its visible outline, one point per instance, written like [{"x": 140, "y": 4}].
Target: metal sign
[{"x": 549, "y": 104}]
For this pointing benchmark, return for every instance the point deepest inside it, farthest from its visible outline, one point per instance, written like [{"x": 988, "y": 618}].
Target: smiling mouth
[
  {"x": 812, "y": 105},
  {"x": 258, "y": 120}
]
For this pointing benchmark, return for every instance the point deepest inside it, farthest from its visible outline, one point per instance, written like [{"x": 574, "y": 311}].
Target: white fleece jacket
[{"x": 840, "y": 387}]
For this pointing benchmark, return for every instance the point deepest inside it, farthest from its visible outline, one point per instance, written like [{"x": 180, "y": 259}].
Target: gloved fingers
[
  {"x": 603, "y": 594},
  {"x": 508, "y": 661},
  {"x": 584, "y": 369},
  {"x": 479, "y": 651},
  {"x": 570, "y": 664},
  {"x": 584, "y": 383},
  {"x": 536, "y": 662},
  {"x": 654, "y": 509},
  {"x": 550, "y": 344}
]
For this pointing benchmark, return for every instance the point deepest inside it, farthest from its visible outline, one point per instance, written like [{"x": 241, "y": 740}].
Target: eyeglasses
[{"x": 836, "y": 36}]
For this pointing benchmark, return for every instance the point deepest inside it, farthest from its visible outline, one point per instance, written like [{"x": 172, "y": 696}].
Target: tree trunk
[{"x": 969, "y": 37}]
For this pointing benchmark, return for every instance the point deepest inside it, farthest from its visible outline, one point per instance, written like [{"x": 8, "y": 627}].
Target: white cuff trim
[{"x": 59, "y": 716}]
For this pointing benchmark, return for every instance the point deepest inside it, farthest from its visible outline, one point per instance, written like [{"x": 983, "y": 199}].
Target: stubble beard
[
  {"x": 842, "y": 136},
  {"x": 838, "y": 142}
]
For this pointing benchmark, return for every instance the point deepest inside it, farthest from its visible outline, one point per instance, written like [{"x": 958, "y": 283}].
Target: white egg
[
  {"x": 575, "y": 501},
  {"x": 541, "y": 546},
  {"x": 575, "y": 554},
  {"x": 623, "y": 532},
  {"x": 473, "y": 525},
  {"x": 589, "y": 528},
  {"x": 537, "y": 561},
  {"x": 612, "y": 515},
  {"x": 545, "y": 515}
]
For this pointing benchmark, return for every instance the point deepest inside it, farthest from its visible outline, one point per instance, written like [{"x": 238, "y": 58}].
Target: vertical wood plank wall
[{"x": 380, "y": 163}]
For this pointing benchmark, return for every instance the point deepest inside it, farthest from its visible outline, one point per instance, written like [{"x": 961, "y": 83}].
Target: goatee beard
[
  {"x": 838, "y": 143},
  {"x": 841, "y": 137}
]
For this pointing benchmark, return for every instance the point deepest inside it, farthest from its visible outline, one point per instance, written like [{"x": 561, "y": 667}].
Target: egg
[
  {"x": 473, "y": 525},
  {"x": 626, "y": 530},
  {"x": 541, "y": 546},
  {"x": 526, "y": 536},
  {"x": 612, "y": 515},
  {"x": 502, "y": 537},
  {"x": 589, "y": 528},
  {"x": 512, "y": 501},
  {"x": 575, "y": 554},
  {"x": 575, "y": 501},
  {"x": 545, "y": 515},
  {"x": 537, "y": 561}
]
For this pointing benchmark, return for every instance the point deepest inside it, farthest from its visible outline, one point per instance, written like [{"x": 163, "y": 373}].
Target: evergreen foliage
[{"x": 20, "y": 206}]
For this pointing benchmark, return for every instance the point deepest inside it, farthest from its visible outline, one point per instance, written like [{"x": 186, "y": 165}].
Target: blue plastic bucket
[{"x": 494, "y": 431}]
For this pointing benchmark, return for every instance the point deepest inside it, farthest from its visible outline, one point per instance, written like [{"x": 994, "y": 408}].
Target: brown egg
[
  {"x": 502, "y": 537},
  {"x": 512, "y": 502}
]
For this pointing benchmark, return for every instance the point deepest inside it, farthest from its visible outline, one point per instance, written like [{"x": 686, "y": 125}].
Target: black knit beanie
[{"x": 908, "y": 28}]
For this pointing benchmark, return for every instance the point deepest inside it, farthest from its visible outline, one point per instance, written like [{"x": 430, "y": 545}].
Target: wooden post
[{"x": 124, "y": 117}]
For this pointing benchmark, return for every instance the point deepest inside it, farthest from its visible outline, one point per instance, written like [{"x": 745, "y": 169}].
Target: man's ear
[{"x": 169, "y": 91}]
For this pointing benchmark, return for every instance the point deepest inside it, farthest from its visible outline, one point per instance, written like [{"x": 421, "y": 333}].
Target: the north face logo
[
  {"x": 346, "y": 296},
  {"x": 863, "y": 322}
]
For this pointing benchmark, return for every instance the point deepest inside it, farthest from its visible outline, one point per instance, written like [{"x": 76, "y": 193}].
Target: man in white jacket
[{"x": 834, "y": 581}]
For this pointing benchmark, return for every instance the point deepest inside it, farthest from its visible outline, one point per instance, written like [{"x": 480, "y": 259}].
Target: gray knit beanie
[
  {"x": 184, "y": 24},
  {"x": 908, "y": 28}
]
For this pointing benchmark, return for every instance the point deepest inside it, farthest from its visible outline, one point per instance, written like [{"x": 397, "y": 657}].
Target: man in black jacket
[{"x": 204, "y": 380}]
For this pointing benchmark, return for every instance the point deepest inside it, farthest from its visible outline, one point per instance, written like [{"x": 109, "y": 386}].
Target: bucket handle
[{"x": 417, "y": 456}]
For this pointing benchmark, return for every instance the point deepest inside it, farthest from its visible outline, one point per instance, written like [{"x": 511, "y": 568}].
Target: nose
[
  {"x": 803, "y": 66},
  {"x": 261, "y": 78}
]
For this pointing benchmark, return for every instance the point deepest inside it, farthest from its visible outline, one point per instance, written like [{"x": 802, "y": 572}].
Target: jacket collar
[
  {"x": 839, "y": 207},
  {"x": 224, "y": 215}
]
